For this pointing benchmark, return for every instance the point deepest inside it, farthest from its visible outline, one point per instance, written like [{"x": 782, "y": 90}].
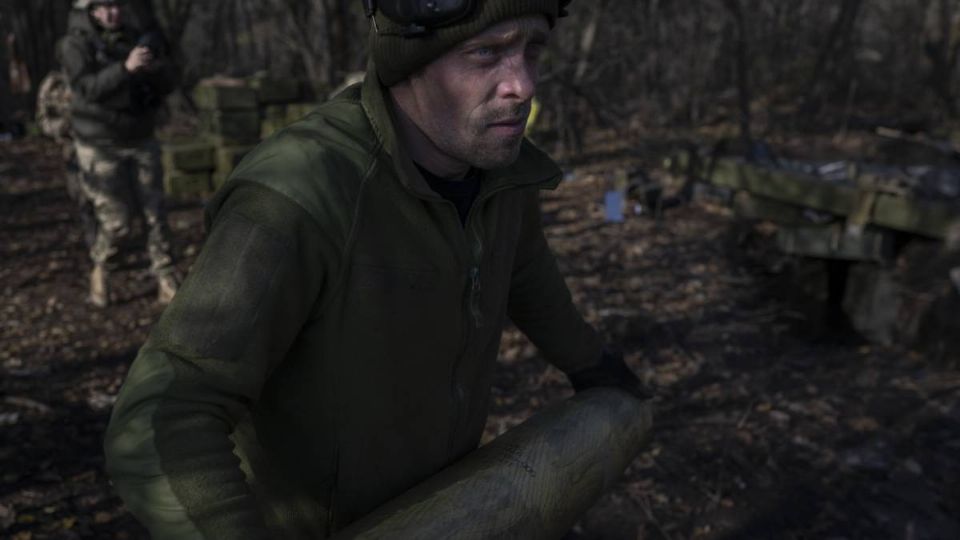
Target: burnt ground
[{"x": 767, "y": 425}]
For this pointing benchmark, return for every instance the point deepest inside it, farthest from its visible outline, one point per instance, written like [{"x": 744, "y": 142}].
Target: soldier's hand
[
  {"x": 140, "y": 58},
  {"x": 611, "y": 371}
]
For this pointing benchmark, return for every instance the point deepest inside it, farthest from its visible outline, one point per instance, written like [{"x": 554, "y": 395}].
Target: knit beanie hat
[{"x": 396, "y": 56}]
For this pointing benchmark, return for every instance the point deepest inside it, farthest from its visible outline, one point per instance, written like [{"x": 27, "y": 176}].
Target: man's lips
[
  {"x": 509, "y": 127},
  {"x": 510, "y": 122}
]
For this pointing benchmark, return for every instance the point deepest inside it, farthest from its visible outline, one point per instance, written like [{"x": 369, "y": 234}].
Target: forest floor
[{"x": 767, "y": 426}]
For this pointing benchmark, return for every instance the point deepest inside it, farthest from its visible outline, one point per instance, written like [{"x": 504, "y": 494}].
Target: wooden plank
[
  {"x": 789, "y": 187},
  {"x": 834, "y": 242},
  {"x": 749, "y": 206},
  {"x": 925, "y": 217}
]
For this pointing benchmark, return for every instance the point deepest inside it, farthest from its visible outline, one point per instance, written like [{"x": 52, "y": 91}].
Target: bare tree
[
  {"x": 837, "y": 45},
  {"x": 613, "y": 63},
  {"x": 743, "y": 69},
  {"x": 36, "y": 25},
  {"x": 942, "y": 51}
]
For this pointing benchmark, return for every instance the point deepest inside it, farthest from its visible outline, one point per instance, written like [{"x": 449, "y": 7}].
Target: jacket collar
[{"x": 532, "y": 168}]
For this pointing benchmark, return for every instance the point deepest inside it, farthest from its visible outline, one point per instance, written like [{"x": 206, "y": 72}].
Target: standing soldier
[{"x": 118, "y": 83}]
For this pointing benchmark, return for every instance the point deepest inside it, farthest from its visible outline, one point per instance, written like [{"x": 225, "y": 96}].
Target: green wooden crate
[
  {"x": 297, "y": 111},
  {"x": 273, "y": 119},
  {"x": 231, "y": 127},
  {"x": 186, "y": 184},
  {"x": 224, "y": 98},
  {"x": 277, "y": 117},
  {"x": 275, "y": 91},
  {"x": 227, "y": 158},
  {"x": 218, "y": 179},
  {"x": 189, "y": 157}
]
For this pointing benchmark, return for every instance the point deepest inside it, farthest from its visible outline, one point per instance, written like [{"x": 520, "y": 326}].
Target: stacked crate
[
  {"x": 228, "y": 112},
  {"x": 188, "y": 168},
  {"x": 230, "y": 120},
  {"x": 234, "y": 115},
  {"x": 281, "y": 103},
  {"x": 277, "y": 116}
]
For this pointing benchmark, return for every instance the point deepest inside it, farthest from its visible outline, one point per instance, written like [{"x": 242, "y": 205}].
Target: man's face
[
  {"x": 108, "y": 15},
  {"x": 473, "y": 102}
]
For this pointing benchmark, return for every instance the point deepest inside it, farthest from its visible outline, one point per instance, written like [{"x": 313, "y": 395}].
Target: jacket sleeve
[
  {"x": 540, "y": 303},
  {"x": 168, "y": 445},
  {"x": 93, "y": 85}
]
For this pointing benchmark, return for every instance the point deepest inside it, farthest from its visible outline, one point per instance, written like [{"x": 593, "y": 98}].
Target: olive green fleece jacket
[{"x": 335, "y": 341}]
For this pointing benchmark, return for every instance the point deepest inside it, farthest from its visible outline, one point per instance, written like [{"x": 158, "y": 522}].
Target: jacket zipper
[
  {"x": 475, "y": 296},
  {"x": 477, "y": 249},
  {"x": 474, "y": 318},
  {"x": 457, "y": 393}
]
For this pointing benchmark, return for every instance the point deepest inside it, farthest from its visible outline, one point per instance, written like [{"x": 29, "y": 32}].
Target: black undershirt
[{"x": 461, "y": 193}]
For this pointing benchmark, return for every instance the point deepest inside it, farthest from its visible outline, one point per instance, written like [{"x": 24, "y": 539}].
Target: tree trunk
[
  {"x": 837, "y": 45},
  {"x": 942, "y": 53},
  {"x": 743, "y": 70},
  {"x": 36, "y": 25},
  {"x": 5, "y": 97}
]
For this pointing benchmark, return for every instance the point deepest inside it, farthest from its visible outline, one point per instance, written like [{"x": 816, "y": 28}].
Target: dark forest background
[
  {"x": 627, "y": 65},
  {"x": 776, "y": 416}
]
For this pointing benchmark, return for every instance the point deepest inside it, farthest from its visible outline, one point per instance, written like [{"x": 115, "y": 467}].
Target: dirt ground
[{"x": 766, "y": 427}]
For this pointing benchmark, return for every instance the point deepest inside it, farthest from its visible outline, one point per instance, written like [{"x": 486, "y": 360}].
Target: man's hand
[
  {"x": 610, "y": 371},
  {"x": 139, "y": 59}
]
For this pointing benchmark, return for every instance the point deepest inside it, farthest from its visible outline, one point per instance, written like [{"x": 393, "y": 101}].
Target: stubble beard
[{"x": 480, "y": 147}]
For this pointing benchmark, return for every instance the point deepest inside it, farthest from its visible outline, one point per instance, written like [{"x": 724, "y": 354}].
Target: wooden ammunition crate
[
  {"x": 186, "y": 184},
  {"x": 224, "y": 98},
  {"x": 231, "y": 127},
  {"x": 189, "y": 157}
]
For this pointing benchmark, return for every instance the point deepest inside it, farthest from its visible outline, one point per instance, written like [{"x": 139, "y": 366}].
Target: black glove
[{"x": 610, "y": 371}]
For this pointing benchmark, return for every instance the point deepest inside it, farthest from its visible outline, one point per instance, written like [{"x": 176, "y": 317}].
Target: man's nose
[{"x": 519, "y": 79}]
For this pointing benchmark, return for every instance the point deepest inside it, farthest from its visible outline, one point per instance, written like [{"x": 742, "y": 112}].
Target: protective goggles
[{"x": 416, "y": 17}]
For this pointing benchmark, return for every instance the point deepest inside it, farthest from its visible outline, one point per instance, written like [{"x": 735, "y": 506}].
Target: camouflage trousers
[
  {"x": 83, "y": 208},
  {"x": 121, "y": 182}
]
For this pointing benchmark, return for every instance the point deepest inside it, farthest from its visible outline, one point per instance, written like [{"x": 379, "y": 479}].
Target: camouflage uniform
[
  {"x": 112, "y": 119},
  {"x": 110, "y": 176}
]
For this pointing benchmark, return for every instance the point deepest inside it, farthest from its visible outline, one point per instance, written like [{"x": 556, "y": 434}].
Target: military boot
[
  {"x": 167, "y": 285},
  {"x": 99, "y": 292}
]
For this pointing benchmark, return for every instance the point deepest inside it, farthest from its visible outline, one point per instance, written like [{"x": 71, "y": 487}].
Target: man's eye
[{"x": 484, "y": 52}]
